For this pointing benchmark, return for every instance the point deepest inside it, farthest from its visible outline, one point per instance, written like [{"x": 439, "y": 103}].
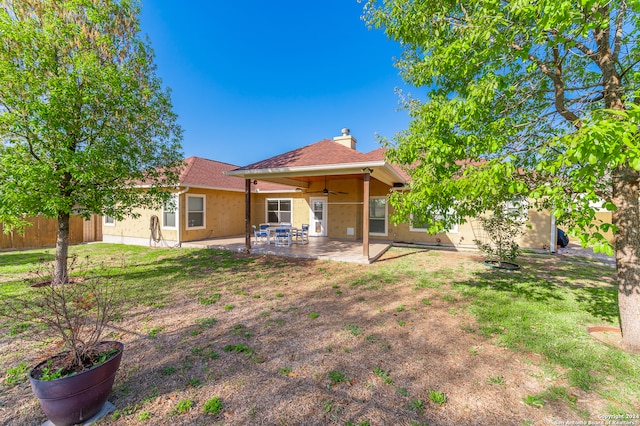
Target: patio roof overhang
[{"x": 299, "y": 176}]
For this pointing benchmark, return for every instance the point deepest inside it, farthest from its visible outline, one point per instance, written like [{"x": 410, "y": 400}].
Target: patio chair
[
  {"x": 285, "y": 224},
  {"x": 302, "y": 234},
  {"x": 261, "y": 236},
  {"x": 283, "y": 237}
]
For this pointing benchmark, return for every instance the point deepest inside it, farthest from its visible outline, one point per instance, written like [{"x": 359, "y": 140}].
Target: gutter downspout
[
  {"x": 179, "y": 218},
  {"x": 554, "y": 234}
]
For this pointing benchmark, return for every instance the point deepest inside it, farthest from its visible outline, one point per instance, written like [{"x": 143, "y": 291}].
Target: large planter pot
[{"x": 75, "y": 399}]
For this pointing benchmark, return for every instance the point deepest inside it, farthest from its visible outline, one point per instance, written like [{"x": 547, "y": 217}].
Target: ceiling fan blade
[{"x": 326, "y": 191}]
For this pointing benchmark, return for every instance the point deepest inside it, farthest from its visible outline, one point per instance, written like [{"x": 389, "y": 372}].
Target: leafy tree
[
  {"x": 83, "y": 118},
  {"x": 524, "y": 98}
]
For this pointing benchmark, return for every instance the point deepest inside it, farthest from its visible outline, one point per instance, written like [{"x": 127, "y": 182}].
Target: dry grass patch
[{"x": 399, "y": 344}]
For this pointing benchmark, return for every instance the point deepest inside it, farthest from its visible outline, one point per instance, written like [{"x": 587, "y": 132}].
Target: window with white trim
[
  {"x": 518, "y": 207},
  {"x": 417, "y": 226},
  {"x": 378, "y": 216},
  {"x": 279, "y": 210},
  {"x": 169, "y": 214},
  {"x": 109, "y": 221},
  {"x": 196, "y": 211}
]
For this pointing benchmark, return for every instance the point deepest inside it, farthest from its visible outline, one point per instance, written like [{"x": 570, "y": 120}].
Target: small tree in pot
[
  {"x": 74, "y": 384},
  {"x": 502, "y": 227}
]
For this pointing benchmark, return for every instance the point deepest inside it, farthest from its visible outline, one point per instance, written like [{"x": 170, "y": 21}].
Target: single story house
[
  {"x": 342, "y": 194},
  {"x": 206, "y": 204}
]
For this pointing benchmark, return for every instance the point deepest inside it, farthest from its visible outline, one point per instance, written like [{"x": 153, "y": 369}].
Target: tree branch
[
  {"x": 606, "y": 63},
  {"x": 590, "y": 53},
  {"x": 618, "y": 33},
  {"x": 629, "y": 68},
  {"x": 558, "y": 83}
]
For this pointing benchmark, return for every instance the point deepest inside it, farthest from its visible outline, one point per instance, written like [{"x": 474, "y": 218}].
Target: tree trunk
[
  {"x": 62, "y": 250},
  {"x": 625, "y": 197},
  {"x": 627, "y": 246}
]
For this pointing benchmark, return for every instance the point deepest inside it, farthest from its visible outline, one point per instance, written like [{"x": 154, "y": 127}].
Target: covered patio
[
  {"x": 339, "y": 192},
  {"x": 322, "y": 248}
]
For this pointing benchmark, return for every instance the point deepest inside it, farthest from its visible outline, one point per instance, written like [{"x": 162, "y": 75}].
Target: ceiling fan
[{"x": 325, "y": 191}]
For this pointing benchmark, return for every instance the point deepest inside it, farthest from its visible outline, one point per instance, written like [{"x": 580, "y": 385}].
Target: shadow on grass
[
  {"x": 545, "y": 308},
  {"x": 192, "y": 264},
  {"x": 391, "y": 256},
  {"x": 601, "y": 303},
  {"x": 592, "y": 286},
  {"x": 12, "y": 258},
  {"x": 522, "y": 284}
]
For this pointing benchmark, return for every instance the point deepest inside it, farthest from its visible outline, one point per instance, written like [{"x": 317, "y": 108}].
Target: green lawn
[{"x": 540, "y": 312}]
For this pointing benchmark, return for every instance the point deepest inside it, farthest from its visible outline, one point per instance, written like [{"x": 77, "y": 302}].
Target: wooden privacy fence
[{"x": 43, "y": 233}]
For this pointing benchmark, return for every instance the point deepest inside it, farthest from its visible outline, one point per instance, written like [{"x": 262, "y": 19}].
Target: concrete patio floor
[{"x": 322, "y": 248}]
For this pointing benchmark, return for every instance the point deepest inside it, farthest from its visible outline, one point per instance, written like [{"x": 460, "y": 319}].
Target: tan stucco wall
[
  {"x": 345, "y": 211},
  {"x": 224, "y": 216},
  {"x": 402, "y": 232},
  {"x": 537, "y": 233},
  {"x": 225, "y": 213},
  {"x": 341, "y": 218},
  {"x": 134, "y": 227},
  {"x": 605, "y": 217}
]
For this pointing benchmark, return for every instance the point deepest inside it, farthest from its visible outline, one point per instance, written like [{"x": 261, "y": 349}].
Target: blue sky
[{"x": 252, "y": 79}]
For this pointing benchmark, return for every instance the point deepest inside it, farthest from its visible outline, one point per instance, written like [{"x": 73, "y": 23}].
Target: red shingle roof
[
  {"x": 376, "y": 155},
  {"x": 324, "y": 152},
  {"x": 380, "y": 154},
  {"x": 206, "y": 173}
]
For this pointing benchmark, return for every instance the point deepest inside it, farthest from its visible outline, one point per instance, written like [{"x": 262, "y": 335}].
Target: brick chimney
[{"x": 346, "y": 139}]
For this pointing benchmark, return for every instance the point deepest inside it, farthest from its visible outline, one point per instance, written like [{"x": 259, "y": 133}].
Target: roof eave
[
  {"x": 192, "y": 186},
  {"x": 381, "y": 170},
  {"x": 276, "y": 191},
  {"x": 315, "y": 170}
]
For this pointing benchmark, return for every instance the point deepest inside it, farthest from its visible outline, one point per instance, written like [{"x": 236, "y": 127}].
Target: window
[
  {"x": 279, "y": 210},
  {"x": 517, "y": 208},
  {"x": 378, "y": 216},
  {"x": 195, "y": 211},
  {"x": 169, "y": 212},
  {"x": 109, "y": 221},
  {"x": 424, "y": 226}
]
